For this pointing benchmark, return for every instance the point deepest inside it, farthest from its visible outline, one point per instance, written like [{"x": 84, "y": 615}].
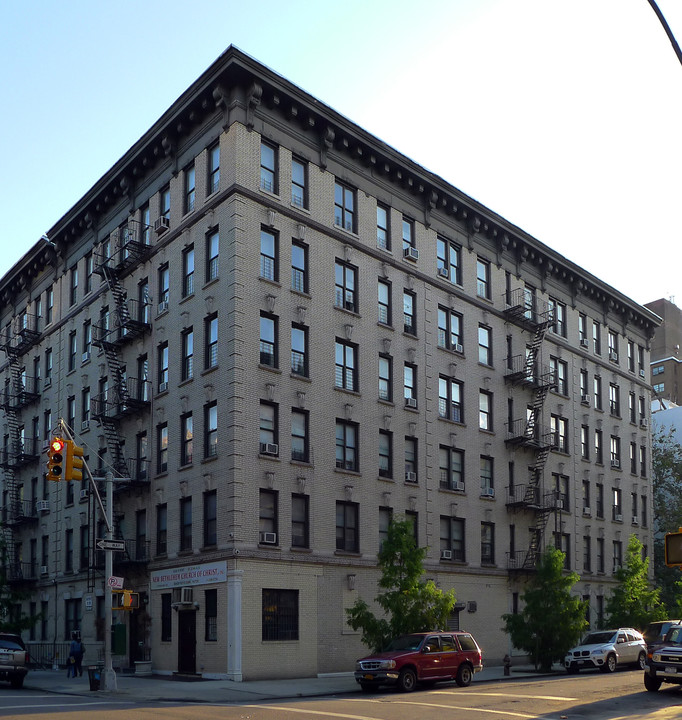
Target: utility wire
[{"x": 667, "y": 29}]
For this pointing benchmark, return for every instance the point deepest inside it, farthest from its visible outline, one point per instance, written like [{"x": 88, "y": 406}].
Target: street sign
[
  {"x": 115, "y": 582},
  {"x": 119, "y": 545}
]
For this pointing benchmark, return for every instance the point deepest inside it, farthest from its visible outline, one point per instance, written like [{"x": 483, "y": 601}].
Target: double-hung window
[
  {"x": 485, "y": 410},
  {"x": 268, "y": 340},
  {"x": 450, "y": 399},
  {"x": 163, "y": 355},
  {"x": 299, "y": 350},
  {"x": 346, "y": 376},
  {"x": 344, "y": 206},
  {"x": 409, "y": 239},
  {"x": 449, "y": 329},
  {"x": 299, "y": 435},
  {"x": 347, "y": 527},
  {"x": 186, "y": 523},
  {"x": 299, "y": 183},
  {"x": 385, "y": 454},
  {"x": 345, "y": 286},
  {"x": 268, "y": 431},
  {"x": 451, "y": 466},
  {"x": 213, "y": 169},
  {"x": 211, "y": 429},
  {"x": 449, "y": 260},
  {"x": 268, "y": 167},
  {"x": 485, "y": 345},
  {"x": 188, "y": 271},
  {"x": 211, "y": 341},
  {"x": 384, "y": 301},
  {"x": 385, "y": 378},
  {"x": 383, "y": 232},
  {"x": 186, "y": 439},
  {"x": 346, "y": 445},
  {"x": 483, "y": 278},
  {"x": 212, "y": 251},
  {"x": 558, "y": 316},
  {"x": 409, "y": 313},
  {"x": 300, "y": 521},
  {"x": 452, "y": 538},
  {"x": 164, "y": 287},
  {"x": 190, "y": 188},
  {"x": 268, "y": 255},
  {"x": 614, "y": 399},
  {"x": 187, "y": 368},
  {"x": 299, "y": 267}
]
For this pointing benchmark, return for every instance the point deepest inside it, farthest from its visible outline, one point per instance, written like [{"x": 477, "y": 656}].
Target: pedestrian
[{"x": 76, "y": 652}]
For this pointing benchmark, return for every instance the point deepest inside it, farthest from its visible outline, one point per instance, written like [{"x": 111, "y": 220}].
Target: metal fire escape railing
[
  {"x": 16, "y": 339},
  {"x": 128, "y": 321},
  {"x": 527, "y": 371}
]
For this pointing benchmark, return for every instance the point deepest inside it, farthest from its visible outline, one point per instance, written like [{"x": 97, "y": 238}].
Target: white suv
[{"x": 608, "y": 649}]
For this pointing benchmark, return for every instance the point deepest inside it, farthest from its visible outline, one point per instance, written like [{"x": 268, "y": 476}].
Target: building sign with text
[{"x": 204, "y": 574}]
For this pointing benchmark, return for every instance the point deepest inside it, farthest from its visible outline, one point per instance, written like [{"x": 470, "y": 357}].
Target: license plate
[
  {"x": 671, "y": 670},
  {"x": 580, "y": 662},
  {"x": 369, "y": 677}
]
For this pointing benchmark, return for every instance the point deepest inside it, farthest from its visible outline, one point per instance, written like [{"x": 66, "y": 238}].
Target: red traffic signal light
[
  {"x": 55, "y": 459},
  {"x": 74, "y": 461}
]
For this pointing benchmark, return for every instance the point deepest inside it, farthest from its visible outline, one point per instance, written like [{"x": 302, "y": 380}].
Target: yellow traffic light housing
[
  {"x": 74, "y": 461},
  {"x": 673, "y": 549},
  {"x": 125, "y": 600},
  {"x": 55, "y": 459}
]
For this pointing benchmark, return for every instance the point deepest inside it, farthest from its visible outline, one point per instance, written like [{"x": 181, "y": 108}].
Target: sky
[{"x": 563, "y": 116}]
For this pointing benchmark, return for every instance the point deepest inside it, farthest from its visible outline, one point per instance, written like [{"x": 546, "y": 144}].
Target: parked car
[
  {"x": 421, "y": 658},
  {"x": 664, "y": 662},
  {"x": 13, "y": 659},
  {"x": 607, "y": 650},
  {"x": 655, "y": 633}
]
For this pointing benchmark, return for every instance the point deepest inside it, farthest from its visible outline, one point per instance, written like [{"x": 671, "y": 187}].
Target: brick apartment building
[{"x": 264, "y": 425}]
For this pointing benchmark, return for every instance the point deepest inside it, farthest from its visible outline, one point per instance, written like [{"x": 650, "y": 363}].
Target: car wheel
[
  {"x": 641, "y": 660},
  {"x": 652, "y": 684},
  {"x": 610, "y": 665},
  {"x": 407, "y": 680},
  {"x": 367, "y": 687},
  {"x": 17, "y": 683},
  {"x": 464, "y": 675}
]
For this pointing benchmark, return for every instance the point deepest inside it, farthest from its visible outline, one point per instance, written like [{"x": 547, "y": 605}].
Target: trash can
[{"x": 94, "y": 676}]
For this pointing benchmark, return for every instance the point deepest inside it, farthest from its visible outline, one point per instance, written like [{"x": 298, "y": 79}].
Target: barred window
[
  {"x": 280, "y": 615},
  {"x": 211, "y": 614}
]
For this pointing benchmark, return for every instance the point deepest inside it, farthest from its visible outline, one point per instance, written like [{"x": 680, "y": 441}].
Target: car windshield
[
  {"x": 657, "y": 630},
  {"x": 674, "y": 637},
  {"x": 599, "y": 638},
  {"x": 405, "y": 642},
  {"x": 7, "y": 644}
]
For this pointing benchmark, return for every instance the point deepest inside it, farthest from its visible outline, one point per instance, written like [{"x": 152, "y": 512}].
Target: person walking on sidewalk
[{"x": 76, "y": 652}]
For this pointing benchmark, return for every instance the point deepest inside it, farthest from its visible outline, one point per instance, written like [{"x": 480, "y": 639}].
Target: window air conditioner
[
  {"x": 86, "y": 356},
  {"x": 641, "y": 372},
  {"x": 584, "y": 342},
  {"x": 84, "y": 494},
  {"x": 644, "y": 422},
  {"x": 186, "y": 595},
  {"x": 446, "y": 554},
  {"x": 615, "y": 464},
  {"x": 613, "y": 356},
  {"x": 43, "y": 569},
  {"x": 161, "y": 225},
  {"x": 488, "y": 492},
  {"x": 42, "y": 505},
  {"x": 411, "y": 253},
  {"x": 85, "y": 424},
  {"x": 163, "y": 386},
  {"x": 587, "y": 511},
  {"x": 618, "y": 518},
  {"x": 47, "y": 383},
  {"x": 586, "y": 400},
  {"x": 269, "y": 448},
  {"x": 635, "y": 520},
  {"x": 411, "y": 476},
  {"x": 443, "y": 272},
  {"x": 411, "y": 402},
  {"x": 163, "y": 306},
  {"x": 459, "y": 348},
  {"x": 268, "y": 538},
  {"x": 459, "y": 486}
]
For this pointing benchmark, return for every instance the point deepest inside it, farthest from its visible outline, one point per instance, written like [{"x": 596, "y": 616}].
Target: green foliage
[
  {"x": 408, "y": 603},
  {"x": 634, "y": 602},
  {"x": 666, "y": 463},
  {"x": 552, "y": 620}
]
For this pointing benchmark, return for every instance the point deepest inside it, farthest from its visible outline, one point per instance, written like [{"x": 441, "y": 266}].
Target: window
[
  {"x": 410, "y": 384},
  {"x": 165, "y": 203},
  {"x": 449, "y": 260},
  {"x": 450, "y": 399},
  {"x": 267, "y": 516},
  {"x": 600, "y": 562},
  {"x": 68, "y": 550},
  {"x": 299, "y": 183},
  {"x": 615, "y": 452},
  {"x": 164, "y": 288},
  {"x": 409, "y": 313},
  {"x": 643, "y": 506},
  {"x": 345, "y": 284},
  {"x": 487, "y": 543},
  {"x": 487, "y": 485},
  {"x": 485, "y": 410},
  {"x": 211, "y": 341},
  {"x": 346, "y": 445},
  {"x": 642, "y": 461},
  {"x": 451, "y": 465},
  {"x": 632, "y": 407},
  {"x": 211, "y": 429},
  {"x": 188, "y": 271},
  {"x": 613, "y": 345},
  {"x": 385, "y": 378},
  {"x": 211, "y": 615},
  {"x": 186, "y": 523},
  {"x": 617, "y": 555},
  {"x": 161, "y": 529},
  {"x": 559, "y": 430},
  {"x": 449, "y": 329},
  {"x": 346, "y": 376},
  {"x": 582, "y": 329},
  {"x": 162, "y": 448},
  {"x": 73, "y": 350},
  {"x": 299, "y": 350},
  {"x": 279, "y": 615},
  {"x": 299, "y": 435},
  {"x": 558, "y": 316},
  {"x": 584, "y": 382},
  {"x": 384, "y": 300},
  {"x": 344, "y": 206},
  {"x": 190, "y": 188},
  {"x": 145, "y": 222},
  {"x": 268, "y": 167},
  {"x": 49, "y": 305},
  {"x": 87, "y": 340},
  {"x": 596, "y": 337},
  {"x": 559, "y": 369},
  {"x": 347, "y": 527},
  {"x": 383, "y": 231},
  {"x": 587, "y": 553},
  {"x": 483, "y": 278},
  {"x": 631, "y": 356},
  {"x": 72, "y": 617},
  {"x": 186, "y": 370},
  {"x": 268, "y": 256},
  {"x": 587, "y": 508},
  {"x": 268, "y": 341},
  {"x": 658, "y": 370},
  {"x": 73, "y": 285},
  {"x": 385, "y": 520},
  {"x": 212, "y": 251},
  {"x": 385, "y": 454},
  {"x": 299, "y": 267},
  {"x": 213, "y": 169},
  {"x": 300, "y": 521},
  {"x": 48, "y": 366},
  {"x": 452, "y": 539},
  {"x": 268, "y": 434},
  {"x": 89, "y": 270},
  {"x": 186, "y": 439},
  {"x": 598, "y": 447},
  {"x": 409, "y": 240},
  {"x": 614, "y": 399},
  {"x": 163, "y": 366},
  {"x": 411, "y": 459},
  {"x": 141, "y": 450},
  {"x": 640, "y": 360},
  {"x": 659, "y": 388},
  {"x": 485, "y": 346},
  {"x": 585, "y": 442},
  {"x": 85, "y": 408},
  {"x": 166, "y": 617},
  {"x": 563, "y": 498},
  {"x": 597, "y": 392}
]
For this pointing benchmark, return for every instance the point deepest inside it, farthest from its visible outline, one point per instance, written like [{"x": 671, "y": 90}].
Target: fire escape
[
  {"x": 18, "y": 450},
  {"x": 526, "y": 371}
]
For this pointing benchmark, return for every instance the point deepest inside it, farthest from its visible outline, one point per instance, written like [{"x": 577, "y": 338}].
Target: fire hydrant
[{"x": 506, "y": 662}]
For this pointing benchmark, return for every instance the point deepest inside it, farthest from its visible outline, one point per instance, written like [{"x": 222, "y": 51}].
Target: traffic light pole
[{"x": 109, "y": 676}]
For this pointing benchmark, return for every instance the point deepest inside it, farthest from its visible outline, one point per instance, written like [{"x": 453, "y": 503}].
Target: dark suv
[
  {"x": 421, "y": 657},
  {"x": 13, "y": 659},
  {"x": 664, "y": 662}
]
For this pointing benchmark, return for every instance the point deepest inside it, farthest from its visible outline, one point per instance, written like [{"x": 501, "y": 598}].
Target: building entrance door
[{"x": 187, "y": 642}]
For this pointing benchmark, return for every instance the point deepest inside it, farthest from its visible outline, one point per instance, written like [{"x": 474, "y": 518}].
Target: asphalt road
[{"x": 561, "y": 697}]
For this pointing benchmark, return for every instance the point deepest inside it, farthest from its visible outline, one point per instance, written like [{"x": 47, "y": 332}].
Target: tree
[
  {"x": 666, "y": 463},
  {"x": 409, "y": 604},
  {"x": 634, "y": 602},
  {"x": 552, "y": 620}
]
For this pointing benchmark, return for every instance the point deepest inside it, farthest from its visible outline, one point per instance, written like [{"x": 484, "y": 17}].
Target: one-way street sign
[{"x": 119, "y": 545}]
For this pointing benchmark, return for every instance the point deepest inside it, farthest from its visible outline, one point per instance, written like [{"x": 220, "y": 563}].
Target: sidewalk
[{"x": 171, "y": 689}]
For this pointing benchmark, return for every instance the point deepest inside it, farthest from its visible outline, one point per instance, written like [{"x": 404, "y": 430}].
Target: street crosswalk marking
[{"x": 558, "y": 698}]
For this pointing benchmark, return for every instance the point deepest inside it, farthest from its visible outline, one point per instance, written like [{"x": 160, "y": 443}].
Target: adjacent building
[
  {"x": 277, "y": 333},
  {"x": 665, "y": 353}
]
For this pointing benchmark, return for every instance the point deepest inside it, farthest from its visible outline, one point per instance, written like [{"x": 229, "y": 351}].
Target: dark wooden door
[{"x": 187, "y": 641}]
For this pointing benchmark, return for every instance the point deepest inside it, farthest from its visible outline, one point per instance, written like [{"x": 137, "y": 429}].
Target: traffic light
[
  {"x": 125, "y": 600},
  {"x": 673, "y": 549},
  {"x": 74, "y": 461},
  {"x": 55, "y": 459}
]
